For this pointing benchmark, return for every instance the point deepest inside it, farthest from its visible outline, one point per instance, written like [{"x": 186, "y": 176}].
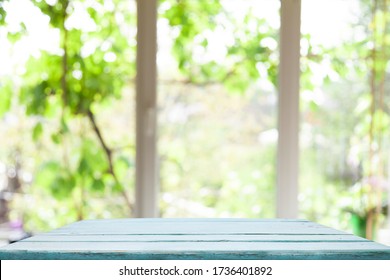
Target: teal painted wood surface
[{"x": 195, "y": 239}]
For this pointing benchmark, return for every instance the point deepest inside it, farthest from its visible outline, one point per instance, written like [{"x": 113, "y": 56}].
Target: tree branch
[{"x": 109, "y": 154}]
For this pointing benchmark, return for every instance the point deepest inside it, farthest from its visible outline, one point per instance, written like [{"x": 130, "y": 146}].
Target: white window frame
[
  {"x": 146, "y": 203},
  {"x": 146, "y": 193},
  {"x": 287, "y": 169}
]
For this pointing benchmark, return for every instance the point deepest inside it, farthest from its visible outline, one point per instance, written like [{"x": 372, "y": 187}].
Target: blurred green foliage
[
  {"x": 65, "y": 90},
  {"x": 2, "y": 12},
  {"x": 196, "y": 22},
  {"x": 83, "y": 158}
]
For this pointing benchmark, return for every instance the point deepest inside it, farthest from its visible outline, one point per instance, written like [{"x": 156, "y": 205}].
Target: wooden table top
[{"x": 184, "y": 239}]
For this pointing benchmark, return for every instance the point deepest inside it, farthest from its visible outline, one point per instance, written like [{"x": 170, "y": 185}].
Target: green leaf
[
  {"x": 36, "y": 99},
  {"x": 2, "y": 13},
  {"x": 62, "y": 186},
  {"x": 122, "y": 166},
  {"x": 117, "y": 187},
  {"x": 83, "y": 167},
  {"x": 56, "y": 138},
  {"x": 64, "y": 126},
  {"x": 37, "y": 131},
  {"x": 5, "y": 98},
  {"x": 98, "y": 185},
  {"x": 46, "y": 174},
  {"x": 94, "y": 157}
]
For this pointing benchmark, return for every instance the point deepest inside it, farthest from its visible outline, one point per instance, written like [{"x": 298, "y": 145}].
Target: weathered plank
[
  {"x": 188, "y": 220},
  {"x": 161, "y": 227},
  {"x": 226, "y": 250},
  {"x": 228, "y": 255},
  {"x": 194, "y": 238},
  {"x": 193, "y": 246}
]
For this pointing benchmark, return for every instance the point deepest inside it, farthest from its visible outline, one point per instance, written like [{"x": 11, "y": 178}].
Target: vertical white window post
[
  {"x": 288, "y": 111},
  {"x": 146, "y": 202}
]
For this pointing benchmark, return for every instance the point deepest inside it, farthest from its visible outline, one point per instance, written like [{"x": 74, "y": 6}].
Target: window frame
[{"x": 147, "y": 173}]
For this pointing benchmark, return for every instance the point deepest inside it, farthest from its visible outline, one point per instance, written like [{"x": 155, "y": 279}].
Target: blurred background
[{"x": 67, "y": 112}]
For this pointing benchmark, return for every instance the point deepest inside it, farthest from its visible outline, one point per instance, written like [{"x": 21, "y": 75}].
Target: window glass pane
[
  {"x": 345, "y": 113},
  {"x": 66, "y": 110},
  {"x": 217, "y": 67}
]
